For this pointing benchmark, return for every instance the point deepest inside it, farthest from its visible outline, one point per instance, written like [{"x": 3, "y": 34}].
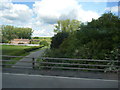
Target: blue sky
[
  {"x": 97, "y": 7},
  {"x": 111, "y": 4},
  {"x": 29, "y": 4},
  {"x": 42, "y": 15}
]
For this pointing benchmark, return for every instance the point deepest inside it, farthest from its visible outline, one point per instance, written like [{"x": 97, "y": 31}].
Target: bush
[
  {"x": 58, "y": 39},
  {"x": 33, "y": 48},
  {"x": 44, "y": 43},
  {"x": 20, "y": 43},
  {"x": 96, "y": 40},
  {"x": 35, "y": 37}
]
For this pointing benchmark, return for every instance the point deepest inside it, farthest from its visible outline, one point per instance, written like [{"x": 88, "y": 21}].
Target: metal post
[{"x": 33, "y": 63}]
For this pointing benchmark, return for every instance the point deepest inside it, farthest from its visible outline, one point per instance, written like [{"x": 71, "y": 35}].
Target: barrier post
[{"x": 33, "y": 63}]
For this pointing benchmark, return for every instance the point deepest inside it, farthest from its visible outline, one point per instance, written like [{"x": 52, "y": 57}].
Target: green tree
[
  {"x": 58, "y": 39},
  {"x": 99, "y": 39},
  {"x": 11, "y": 32},
  {"x": 64, "y": 28},
  {"x": 7, "y": 33},
  {"x": 35, "y": 37},
  {"x": 44, "y": 43},
  {"x": 67, "y": 26}
]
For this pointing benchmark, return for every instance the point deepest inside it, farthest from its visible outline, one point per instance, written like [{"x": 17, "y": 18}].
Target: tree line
[
  {"x": 98, "y": 39},
  {"x": 11, "y": 32}
]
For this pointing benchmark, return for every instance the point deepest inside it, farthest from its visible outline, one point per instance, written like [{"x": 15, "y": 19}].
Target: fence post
[{"x": 33, "y": 63}]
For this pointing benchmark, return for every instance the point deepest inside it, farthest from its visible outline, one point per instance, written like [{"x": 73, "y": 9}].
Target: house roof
[{"x": 21, "y": 40}]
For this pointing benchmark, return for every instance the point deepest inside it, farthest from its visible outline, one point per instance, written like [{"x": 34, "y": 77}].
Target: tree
[
  {"x": 35, "y": 37},
  {"x": 64, "y": 28},
  {"x": 7, "y": 33},
  {"x": 67, "y": 26},
  {"x": 58, "y": 39},
  {"x": 44, "y": 43},
  {"x": 11, "y": 32},
  {"x": 24, "y": 33},
  {"x": 99, "y": 39}
]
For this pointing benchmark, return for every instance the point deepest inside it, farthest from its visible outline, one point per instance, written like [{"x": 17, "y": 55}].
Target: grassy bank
[{"x": 16, "y": 51}]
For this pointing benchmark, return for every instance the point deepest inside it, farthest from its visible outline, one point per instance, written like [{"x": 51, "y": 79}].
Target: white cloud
[
  {"x": 53, "y": 10},
  {"x": 47, "y": 13},
  {"x": 41, "y": 29},
  {"x": 15, "y": 13},
  {"x": 113, "y": 9},
  {"x": 43, "y": 32}
]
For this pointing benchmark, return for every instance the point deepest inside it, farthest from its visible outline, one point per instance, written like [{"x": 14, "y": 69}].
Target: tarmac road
[
  {"x": 11, "y": 80},
  {"x": 35, "y": 54}
]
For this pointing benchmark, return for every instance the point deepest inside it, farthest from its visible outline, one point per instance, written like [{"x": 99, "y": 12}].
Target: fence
[
  {"x": 62, "y": 64},
  {"x": 10, "y": 62}
]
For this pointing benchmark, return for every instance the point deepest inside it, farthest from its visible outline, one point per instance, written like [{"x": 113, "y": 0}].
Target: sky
[{"x": 42, "y": 15}]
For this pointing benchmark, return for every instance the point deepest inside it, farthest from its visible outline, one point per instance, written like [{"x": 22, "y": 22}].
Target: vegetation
[
  {"x": 44, "y": 43},
  {"x": 67, "y": 26},
  {"x": 33, "y": 48},
  {"x": 11, "y": 32},
  {"x": 58, "y": 39},
  {"x": 64, "y": 28},
  {"x": 99, "y": 39},
  {"x": 41, "y": 40},
  {"x": 13, "y": 50},
  {"x": 41, "y": 37},
  {"x": 17, "y": 50}
]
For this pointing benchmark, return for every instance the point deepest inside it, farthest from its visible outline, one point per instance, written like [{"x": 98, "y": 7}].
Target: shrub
[
  {"x": 58, "y": 39},
  {"x": 44, "y": 43},
  {"x": 20, "y": 43},
  {"x": 33, "y": 48}
]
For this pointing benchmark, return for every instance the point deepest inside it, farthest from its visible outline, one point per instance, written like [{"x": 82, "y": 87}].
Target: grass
[
  {"x": 42, "y": 37},
  {"x": 48, "y": 39},
  {"x": 13, "y": 50}
]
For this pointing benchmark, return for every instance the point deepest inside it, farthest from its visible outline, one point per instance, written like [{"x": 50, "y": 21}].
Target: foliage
[
  {"x": 111, "y": 66},
  {"x": 17, "y": 50},
  {"x": 37, "y": 41},
  {"x": 11, "y": 32},
  {"x": 13, "y": 50},
  {"x": 33, "y": 48},
  {"x": 58, "y": 39},
  {"x": 99, "y": 39},
  {"x": 35, "y": 37},
  {"x": 44, "y": 43},
  {"x": 67, "y": 26},
  {"x": 64, "y": 28}
]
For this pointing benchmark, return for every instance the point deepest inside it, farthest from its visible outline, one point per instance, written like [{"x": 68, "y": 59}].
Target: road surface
[
  {"x": 35, "y": 54},
  {"x": 38, "y": 81}
]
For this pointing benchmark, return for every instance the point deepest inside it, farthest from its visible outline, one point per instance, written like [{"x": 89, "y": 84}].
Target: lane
[
  {"x": 35, "y": 54},
  {"x": 38, "y": 81}
]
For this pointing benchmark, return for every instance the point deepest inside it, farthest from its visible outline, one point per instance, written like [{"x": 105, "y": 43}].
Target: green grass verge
[{"x": 16, "y": 51}]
